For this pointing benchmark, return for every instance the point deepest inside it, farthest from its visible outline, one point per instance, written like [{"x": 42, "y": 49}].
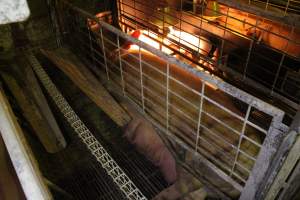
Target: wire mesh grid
[
  {"x": 224, "y": 124},
  {"x": 284, "y": 7},
  {"x": 241, "y": 44},
  {"x": 75, "y": 169}
]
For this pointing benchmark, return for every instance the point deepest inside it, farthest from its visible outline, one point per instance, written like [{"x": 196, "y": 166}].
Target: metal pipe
[{"x": 20, "y": 154}]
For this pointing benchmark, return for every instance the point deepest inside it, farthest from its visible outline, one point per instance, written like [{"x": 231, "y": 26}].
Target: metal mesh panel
[
  {"x": 235, "y": 131},
  {"x": 247, "y": 46}
]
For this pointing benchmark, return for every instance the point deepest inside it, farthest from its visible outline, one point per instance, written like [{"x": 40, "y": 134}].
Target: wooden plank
[
  {"x": 37, "y": 114},
  {"x": 86, "y": 81},
  {"x": 41, "y": 102}
]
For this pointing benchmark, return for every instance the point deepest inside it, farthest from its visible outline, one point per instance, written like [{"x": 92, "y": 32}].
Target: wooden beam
[
  {"x": 33, "y": 104},
  {"x": 86, "y": 81},
  {"x": 42, "y": 104}
]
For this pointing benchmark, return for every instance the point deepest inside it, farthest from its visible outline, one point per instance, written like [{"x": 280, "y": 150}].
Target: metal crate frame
[
  {"x": 286, "y": 182},
  {"x": 282, "y": 180},
  {"x": 274, "y": 134},
  {"x": 199, "y": 23}
]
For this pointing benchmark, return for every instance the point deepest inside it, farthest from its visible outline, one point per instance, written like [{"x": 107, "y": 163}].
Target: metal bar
[
  {"x": 200, "y": 113},
  {"x": 280, "y": 64},
  {"x": 241, "y": 138},
  {"x": 226, "y": 87},
  {"x": 91, "y": 45},
  {"x": 167, "y": 98},
  {"x": 104, "y": 53},
  {"x": 286, "y": 8},
  {"x": 141, "y": 78},
  {"x": 248, "y": 58},
  {"x": 121, "y": 67},
  {"x": 263, "y": 161},
  {"x": 20, "y": 154}
]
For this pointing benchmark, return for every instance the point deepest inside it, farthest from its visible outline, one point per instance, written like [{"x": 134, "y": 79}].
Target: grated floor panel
[{"x": 74, "y": 169}]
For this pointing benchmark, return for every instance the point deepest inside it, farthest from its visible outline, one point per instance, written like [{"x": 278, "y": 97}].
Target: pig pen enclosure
[
  {"x": 178, "y": 63},
  {"x": 219, "y": 81}
]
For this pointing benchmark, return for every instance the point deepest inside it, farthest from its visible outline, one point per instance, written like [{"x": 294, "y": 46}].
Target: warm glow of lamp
[
  {"x": 149, "y": 38},
  {"x": 184, "y": 38}
]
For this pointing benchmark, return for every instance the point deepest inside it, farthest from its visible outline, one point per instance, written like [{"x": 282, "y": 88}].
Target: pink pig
[{"x": 147, "y": 141}]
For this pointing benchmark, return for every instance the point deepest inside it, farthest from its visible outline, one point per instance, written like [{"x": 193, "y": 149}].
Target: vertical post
[
  {"x": 167, "y": 98},
  {"x": 20, "y": 153},
  {"x": 141, "y": 78},
  {"x": 91, "y": 45},
  {"x": 200, "y": 114},
  {"x": 201, "y": 20},
  {"x": 248, "y": 58},
  {"x": 103, "y": 49},
  {"x": 223, "y": 41},
  {"x": 121, "y": 12},
  {"x": 277, "y": 73},
  {"x": 135, "y": 18},
  {"x": 264, "y": 160},
  {"x": 180, "y": 24},
  {"x": 121, "y": 67},
  {"x": 240, "y": 139},
  {"x": 274, "y": 178},
  {"x": 281, "y": 62},
  {"x": 287, "y": 7}
]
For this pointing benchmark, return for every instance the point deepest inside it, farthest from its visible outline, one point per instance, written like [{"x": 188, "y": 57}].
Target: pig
[
  {"x": 142, "y": 134},
  {"x": 181, "y": 126}
]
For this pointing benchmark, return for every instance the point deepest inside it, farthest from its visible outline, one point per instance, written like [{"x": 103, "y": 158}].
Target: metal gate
[{"x": 234, "y": 133}]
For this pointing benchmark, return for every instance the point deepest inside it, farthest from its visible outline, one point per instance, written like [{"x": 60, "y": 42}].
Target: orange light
[
  {"x": 184, "y": 38},
  {"x": 194, "y": 42},
  {"x": 146, "y": 37}
]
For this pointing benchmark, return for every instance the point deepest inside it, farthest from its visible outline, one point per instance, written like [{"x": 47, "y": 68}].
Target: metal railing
[
  {"x": 249, "y": 46},
  {"x": 198, "y": 110}
]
